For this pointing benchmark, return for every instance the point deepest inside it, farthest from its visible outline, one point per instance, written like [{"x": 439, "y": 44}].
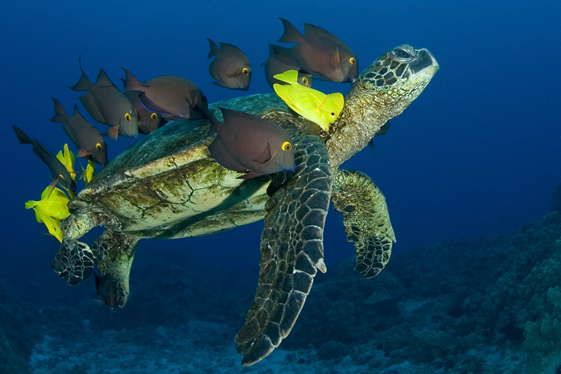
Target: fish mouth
[{"x": 290, "y": 168}]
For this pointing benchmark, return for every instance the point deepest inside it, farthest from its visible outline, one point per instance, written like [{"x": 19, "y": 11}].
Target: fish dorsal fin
[
  {"x": 265, "y": 156},
  {"x": 315, "y": 31},
  {"x": 289, "y": 76},
  {"x": 102, "y": 79},
  {"x": 276, "y": 50}
]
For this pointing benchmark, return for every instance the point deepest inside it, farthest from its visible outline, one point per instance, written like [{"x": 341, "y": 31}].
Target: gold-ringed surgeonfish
[
  {"x": 319, "y": 52},
  {"x": 171, "y": 96},
  {"x": 230, "y": 68},
  {"x": 250, "y": 144},
  {"x": 106, "y": 104},
  {"x": 280, "y": 61},
  {"x": 58, "y": 171},
  {"x": 311, "y": 104},
  {"x": 82, "y": 133}
]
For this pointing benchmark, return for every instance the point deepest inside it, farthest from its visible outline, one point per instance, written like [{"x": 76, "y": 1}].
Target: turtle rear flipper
[
  {"x": 114, "y": 252},
  {"x": 366, "y": 219},
  {"x": 73, "y": 262},
  {"x": 291, "y": 251}
]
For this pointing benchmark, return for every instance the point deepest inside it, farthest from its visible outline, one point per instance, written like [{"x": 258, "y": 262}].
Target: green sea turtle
[{"x": 168, "y": 186}]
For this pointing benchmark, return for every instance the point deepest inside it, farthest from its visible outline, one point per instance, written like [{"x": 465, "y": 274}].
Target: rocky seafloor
[{"x": 490, "y": 305}]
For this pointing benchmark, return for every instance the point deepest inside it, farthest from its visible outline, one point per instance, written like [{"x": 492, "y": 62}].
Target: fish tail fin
[
  {"x": 291, "y": 33},
  {"x": 83, "y": 83},
  {"x": 131, "y": 83},
  {"x": 213, "y": 48},
  {"x": 289, "y": 76},
  {"x": 22, "y": 137},
  {"x": 60, "y": 113}
]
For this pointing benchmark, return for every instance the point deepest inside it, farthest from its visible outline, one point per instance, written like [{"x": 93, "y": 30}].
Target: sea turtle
[{"x": 168, "y": 186}]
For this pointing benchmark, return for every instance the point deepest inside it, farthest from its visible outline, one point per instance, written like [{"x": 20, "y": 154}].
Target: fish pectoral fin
[
  {"x": 318, "y": 108},
  {"x": 265, "y": 156},
  {"x": 112, "y": 132},
  {"x": 83, "y": 153},
  {"x": 335, "y": 60}
]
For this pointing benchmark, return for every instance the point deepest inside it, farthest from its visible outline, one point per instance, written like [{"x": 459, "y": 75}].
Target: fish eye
[
  {"x": 245, "y": 71},
  {"x": 286, "y": 146},
  {"x": 128, "y": 117},
  {"x": 153, "y": 116},
  {"x": 98, "y": 146},
  {"x": 332, "y": 114},
  {"x": 305, "y": 80},
  {"x": 352, "y": 60}
]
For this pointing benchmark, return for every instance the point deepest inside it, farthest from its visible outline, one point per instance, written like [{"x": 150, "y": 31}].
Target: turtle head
[
  {"x": 398, "y": 77},
  {"x": 382, "y": 91}
]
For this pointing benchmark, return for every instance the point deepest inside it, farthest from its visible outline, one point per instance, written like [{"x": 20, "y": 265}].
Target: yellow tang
[
  {"x": 311, "y": 104},
  {"x": 87, "y": 174},
  {"x": 51, "y": 209},
  {"x": 67, "y": 159}
]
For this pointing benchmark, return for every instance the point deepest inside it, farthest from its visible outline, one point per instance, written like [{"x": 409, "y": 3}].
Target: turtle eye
[
  {"x": 305, "y": 81},
  {"x": 153, "y": 116},
  {"x": 128, "y": 117},
  {"x": 98, "y": 146},
  {"x": 245, "y": 71},
  {"x": 352, "y": 60},
  {"x": 286, "y": 146}
]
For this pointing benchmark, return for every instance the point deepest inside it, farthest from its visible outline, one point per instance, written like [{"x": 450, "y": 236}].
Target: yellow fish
[
  {"x": 51, "y": 209},
  {"x": 311, "y": 104},
  {"x": 66, "y": 158},
  {"x": 87, "y": 174}
]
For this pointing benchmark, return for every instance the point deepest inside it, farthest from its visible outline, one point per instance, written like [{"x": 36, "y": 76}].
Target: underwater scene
[{"x": 293, "y": 187}]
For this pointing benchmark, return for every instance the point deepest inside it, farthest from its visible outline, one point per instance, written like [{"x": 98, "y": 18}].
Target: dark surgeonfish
[
  {"x": 320, "y": 52},
  {"x": 106, "y": 104},
  {"x": 280, "y": 61},
  {"x": 147, "y": 121},
  {"x": 58, "y": 170},
  {"x": 230, "y": 67},
  {"x": 171, "y": 96},
  {"x": 250, "y": 144},
  {"x": 82, "y": 133}
]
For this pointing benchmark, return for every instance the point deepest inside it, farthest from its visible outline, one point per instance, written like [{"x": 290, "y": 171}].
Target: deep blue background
[{"x": 479, "y": 151}]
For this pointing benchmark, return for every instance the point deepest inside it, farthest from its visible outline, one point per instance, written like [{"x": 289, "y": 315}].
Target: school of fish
[{"x": 245, "y": 143}]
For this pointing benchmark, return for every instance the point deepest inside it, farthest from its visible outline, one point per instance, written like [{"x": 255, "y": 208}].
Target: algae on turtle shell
[{"x": 168, "y": 186}]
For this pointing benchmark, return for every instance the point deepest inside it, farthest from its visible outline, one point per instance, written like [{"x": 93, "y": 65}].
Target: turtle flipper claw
[
  {"x": 291, "y": 252},
  {"x": 366, "y": 219},
  {"x": 74, "y": 262}
]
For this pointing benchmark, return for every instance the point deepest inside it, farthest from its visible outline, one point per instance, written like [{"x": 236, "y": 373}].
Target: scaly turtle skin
[{"x": 168, "y": 186}]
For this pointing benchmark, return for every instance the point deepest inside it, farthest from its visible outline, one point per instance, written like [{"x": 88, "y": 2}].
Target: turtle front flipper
[
  {"x": 291, "y": 251},
  {"x": 114, "y": 253},
  {"x": 73, "y": 262},
  {"x": 366, "y": 219}
]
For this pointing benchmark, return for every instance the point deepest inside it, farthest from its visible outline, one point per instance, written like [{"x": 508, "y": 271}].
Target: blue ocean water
[{"x": 479, "y": 151}]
